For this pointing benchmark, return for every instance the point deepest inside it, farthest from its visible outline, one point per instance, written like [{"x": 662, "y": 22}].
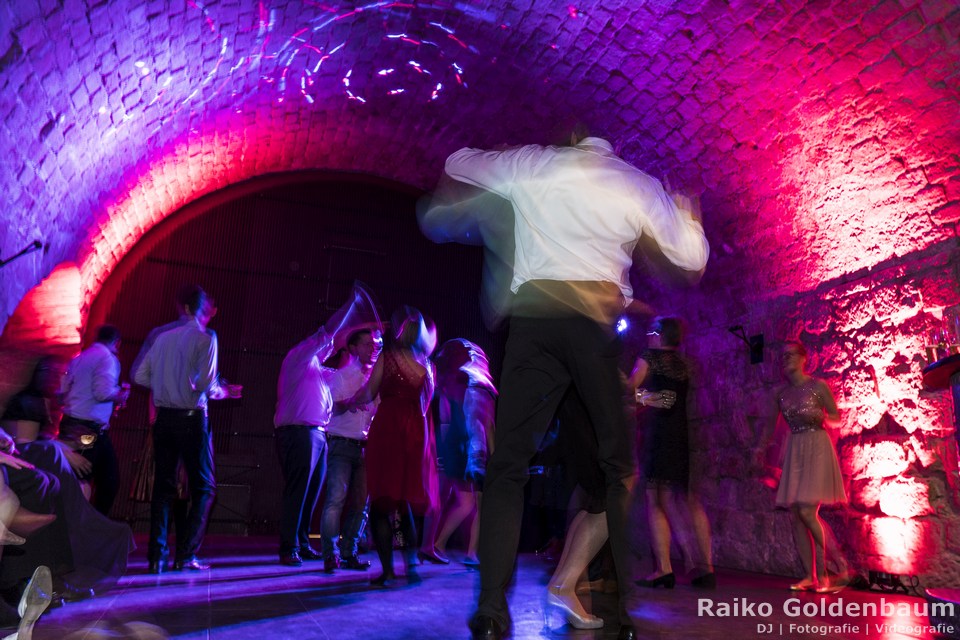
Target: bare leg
[
  {"x": 834, "y": 553},
  {"x": 811, "y": 519},
  {"x": 701, "y": 529},
  {"x": 585, "y": 537},
  {"x": 431, "y": 523},
  {"x": 801, "y": 537},
  {"x": 657, "y": 497},
  {"x": 474, "y": 529},
  {"x": 464, "y": 505}
]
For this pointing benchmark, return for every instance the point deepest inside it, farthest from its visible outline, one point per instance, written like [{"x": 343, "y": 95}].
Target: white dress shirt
[
  {"x": 303, "y": 395},
  {"x": 344, "y": 383},
  {"x": 91, "y": 384},
  {"x": 180, "y": 366},
  {"x": 580, "y": 211}
]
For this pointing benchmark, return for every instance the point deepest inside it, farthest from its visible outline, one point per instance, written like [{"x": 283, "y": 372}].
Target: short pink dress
[{"x": 811, "y": 471}]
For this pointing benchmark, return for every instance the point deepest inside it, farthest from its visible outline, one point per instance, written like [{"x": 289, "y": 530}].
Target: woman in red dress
[{"x": 400, "y": 458}]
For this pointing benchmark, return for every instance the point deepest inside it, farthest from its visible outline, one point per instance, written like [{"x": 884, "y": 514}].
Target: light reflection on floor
[{"x": 248, "y": 595}]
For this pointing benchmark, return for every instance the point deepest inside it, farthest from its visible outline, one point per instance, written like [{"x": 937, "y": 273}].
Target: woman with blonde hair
[{"x": 811, "y": 472}]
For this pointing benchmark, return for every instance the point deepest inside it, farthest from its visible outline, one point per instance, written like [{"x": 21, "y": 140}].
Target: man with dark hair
[
  {"x": 579, "y": 212},
  {"x": 346, "y": 438},
  {"x": 304, "y": 408},
  {"x": 178, "y": 363},
  {"x": 90, "y": 390}
]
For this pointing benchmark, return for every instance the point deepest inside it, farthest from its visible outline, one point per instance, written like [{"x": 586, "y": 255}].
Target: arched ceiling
[{"x": 792, "y": 119}]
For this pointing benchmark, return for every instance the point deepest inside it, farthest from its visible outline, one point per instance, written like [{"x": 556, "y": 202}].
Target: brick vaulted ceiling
[{"x": 792, "y": 119}]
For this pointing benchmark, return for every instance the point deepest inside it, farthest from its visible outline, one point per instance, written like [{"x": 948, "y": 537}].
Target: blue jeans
[
  {"x": 346, "y": 478},
  {"x": 303, "y": 452}
]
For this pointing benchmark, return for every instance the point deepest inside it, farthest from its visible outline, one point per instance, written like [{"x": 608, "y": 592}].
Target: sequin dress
[
  {"x": 400, "y": 456},
  {"x": 811, "y": 471},
  {"x": 666, "y": 438}
]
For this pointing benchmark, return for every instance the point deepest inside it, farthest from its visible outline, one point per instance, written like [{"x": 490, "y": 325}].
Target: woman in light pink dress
[{"x": 811, "y": 472}]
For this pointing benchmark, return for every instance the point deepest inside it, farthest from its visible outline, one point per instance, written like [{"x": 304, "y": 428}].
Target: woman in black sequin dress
[{"x": 664, "y": 376}]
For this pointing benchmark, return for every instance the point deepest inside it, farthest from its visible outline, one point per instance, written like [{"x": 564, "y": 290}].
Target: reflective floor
[{"x": 247, "y": 595}]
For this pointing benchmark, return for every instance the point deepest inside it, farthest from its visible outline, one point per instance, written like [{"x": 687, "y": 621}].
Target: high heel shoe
[
  {"x": 705, "y": 581},
  {"x": 435, "y": 557},
  {"x": 8, "y": 537},
  {"x": 827, "y": 586},
  {"x": 667, "y": 580},
  {"x": 35, "y": 600},
  {"x": 577, "y": 620},
  {"x": 804, "y": 585}
]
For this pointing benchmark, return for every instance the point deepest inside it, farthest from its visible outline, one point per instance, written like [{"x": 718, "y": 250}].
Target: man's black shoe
[
  {"x": 354, "y": 563},
  {"x": 156, "y": 567},
  {"x": 485, "y": 628},
  {"x": 193, "y": 563},
  {"x": 291, "y": 559},
  {"x": 627, "y": 632},
  {"x": 309, "y": 553},
  {"x": 331, "y": 564}
]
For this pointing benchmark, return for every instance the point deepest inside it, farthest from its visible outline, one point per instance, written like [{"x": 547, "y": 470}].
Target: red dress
[{"x": 400, "y": 457}]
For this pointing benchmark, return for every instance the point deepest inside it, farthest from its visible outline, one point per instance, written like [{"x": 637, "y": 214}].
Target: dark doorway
[{"x": 278, "y": 254}]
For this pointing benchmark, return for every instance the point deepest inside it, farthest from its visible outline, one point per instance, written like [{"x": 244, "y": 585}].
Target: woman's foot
[
  {"x": 567, "y": 603},
  {"x": 36, "y": 598},
  {"x": 600, "y": 585},
  {"x": 807, "y": 584},
  {"x": 654, "y": 580},
  {"x": 706, "y": 580},
  {"x": 9, "y": 537},
  {"x": 827, "y": 585},
  {"x": 471, "y": 562},
  {"x": 433, "y": 556}
]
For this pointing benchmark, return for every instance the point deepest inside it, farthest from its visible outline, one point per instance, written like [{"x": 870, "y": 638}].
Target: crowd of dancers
[{"x": 398, "y": 430}]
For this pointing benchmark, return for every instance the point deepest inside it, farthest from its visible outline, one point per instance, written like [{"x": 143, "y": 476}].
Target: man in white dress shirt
[
  {"x": 304, "y": 408},
  {"x": 579, "y": 213},
  {"x": 178, "y": 363},
  {"x": 89, "y": 390},
  {"x": 346, "y": 438}
]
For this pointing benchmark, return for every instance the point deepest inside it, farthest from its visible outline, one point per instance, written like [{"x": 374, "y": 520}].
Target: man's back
[
  {"x": 180, "y": 366},
  {"x": 580, "y": 211},
  {"x": 90, "y": 383}
]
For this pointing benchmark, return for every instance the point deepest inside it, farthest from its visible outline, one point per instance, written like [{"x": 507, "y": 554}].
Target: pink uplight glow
[
  {"x": 905, "y": 498},
  {"x": 899, "y": 543}
]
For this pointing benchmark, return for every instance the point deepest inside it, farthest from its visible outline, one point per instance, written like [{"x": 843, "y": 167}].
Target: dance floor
[{"x": 247, "y": 595}]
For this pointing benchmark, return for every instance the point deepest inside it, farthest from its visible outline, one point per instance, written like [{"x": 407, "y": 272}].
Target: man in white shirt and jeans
[
  {"x": 579, "y": 212},
  {"x": 89, "y": 390},
  {"x": 346, "y": 438},
  {"x": 304, "y": 408}
]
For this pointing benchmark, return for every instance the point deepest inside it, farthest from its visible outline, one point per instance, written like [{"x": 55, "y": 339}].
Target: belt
[
  {"x": 286, "y": 427},
  {"x": 353, "y": 441},
  {"x": 93, "y": 424},
  {"x": 90, "y": 424},
  {"x": 181, "y": 412}
]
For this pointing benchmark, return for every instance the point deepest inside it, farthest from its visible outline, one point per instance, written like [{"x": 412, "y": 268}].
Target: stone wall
[{"x": 822, "y": 137}]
